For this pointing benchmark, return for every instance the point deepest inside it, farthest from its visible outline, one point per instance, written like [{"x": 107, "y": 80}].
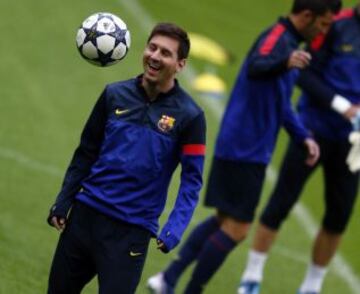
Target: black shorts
[
  {"x": 341, "y": 185},
  {"x": 234, "y": 188},
  {"x": 94, "y": 244}
]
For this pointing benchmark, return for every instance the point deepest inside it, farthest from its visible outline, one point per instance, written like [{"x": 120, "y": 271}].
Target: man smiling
[{"x": 118, "y": 179}]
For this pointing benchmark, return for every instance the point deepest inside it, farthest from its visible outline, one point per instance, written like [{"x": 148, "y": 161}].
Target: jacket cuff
[
  {"x": 169, "y": 239},
  {"x": 59, "y": 211}
]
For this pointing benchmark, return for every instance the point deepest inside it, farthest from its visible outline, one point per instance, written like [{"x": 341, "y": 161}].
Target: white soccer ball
[{"x": 103, "y": 39}]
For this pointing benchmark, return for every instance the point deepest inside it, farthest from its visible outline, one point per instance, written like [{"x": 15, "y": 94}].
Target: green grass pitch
[{"x": 47, "y": 92}]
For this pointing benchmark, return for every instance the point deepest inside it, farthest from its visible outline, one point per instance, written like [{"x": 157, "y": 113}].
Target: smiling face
[{"x": 161, "y": 62}]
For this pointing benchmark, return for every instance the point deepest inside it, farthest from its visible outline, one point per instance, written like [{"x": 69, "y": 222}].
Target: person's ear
[{"x": 181, "y": 65}]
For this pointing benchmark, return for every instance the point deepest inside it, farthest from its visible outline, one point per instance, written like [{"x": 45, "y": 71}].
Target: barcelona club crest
[{"x": 166, "y": 123}]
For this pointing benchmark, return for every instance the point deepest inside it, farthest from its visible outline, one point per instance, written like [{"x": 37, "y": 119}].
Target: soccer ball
[{"x": 103, "y": 39}]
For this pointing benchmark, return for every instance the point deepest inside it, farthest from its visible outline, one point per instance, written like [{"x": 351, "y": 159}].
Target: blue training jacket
[
  {"x": 260, "y": 100},
  {"x": 335, "y": 69},
  {"x": 128, "y": 152}
]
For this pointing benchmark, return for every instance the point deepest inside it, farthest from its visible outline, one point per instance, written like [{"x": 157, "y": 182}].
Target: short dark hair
[
  {"x": 318, "y": 7},
  {"x": 173, "y": 31}
]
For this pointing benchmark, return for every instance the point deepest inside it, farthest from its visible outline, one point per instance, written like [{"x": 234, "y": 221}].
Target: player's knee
[
  {"x": 336, "y": 221},
  {"x": 333, "y": 227},
  {"x": 272, "y": 221},
  {"x": 236, "y": 230}
]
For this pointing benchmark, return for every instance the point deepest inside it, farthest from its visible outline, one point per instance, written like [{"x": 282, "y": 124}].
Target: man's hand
[
  {"x": 313, "y": 151},
  {"x": 161, "y": 246},
  {"x": 58, "y": 222},
  {"x": 352, "y": 113},
  {"x": 299, "y": 59}
]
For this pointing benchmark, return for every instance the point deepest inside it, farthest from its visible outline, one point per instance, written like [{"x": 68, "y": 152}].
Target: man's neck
[
  {"x": 154, "y": 89},
  {"x": 152, "y": 92}
]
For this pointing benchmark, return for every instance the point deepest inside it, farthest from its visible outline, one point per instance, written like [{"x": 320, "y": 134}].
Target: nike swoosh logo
[
  {"x": 118, "y": 111},
  {"x": 135, "y": 253}
]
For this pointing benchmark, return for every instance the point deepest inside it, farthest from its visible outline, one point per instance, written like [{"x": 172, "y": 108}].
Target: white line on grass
[
  {"x": 290, "y": 254},
  {"x": 30, "y": 163},
  {"x": 302, "y": 214}
]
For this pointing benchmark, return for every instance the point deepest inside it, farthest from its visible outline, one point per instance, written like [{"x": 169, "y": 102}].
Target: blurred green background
[{"x": 47, "y": 92}]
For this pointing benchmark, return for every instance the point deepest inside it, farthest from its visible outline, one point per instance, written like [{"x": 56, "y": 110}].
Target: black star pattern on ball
[
  {"x": 91, "y": 34},
  {"x": 119, "y": 35},
  {"x": 104, "y": 59}
]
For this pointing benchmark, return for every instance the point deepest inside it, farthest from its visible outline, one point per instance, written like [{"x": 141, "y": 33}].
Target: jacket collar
[
  {"x": 291, "y": 28},
  {"x": 162, "y": 95}
]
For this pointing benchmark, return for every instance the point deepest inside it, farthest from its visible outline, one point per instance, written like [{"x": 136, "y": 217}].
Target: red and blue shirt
[
  {"x": 335, "y": 69},
  {"x": 260, "y": 100},
  {"x": 129, "y": 149}
]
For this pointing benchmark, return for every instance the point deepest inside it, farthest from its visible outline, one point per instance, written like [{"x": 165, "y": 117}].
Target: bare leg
[
  {"x": 325, "y": 246},
  {"x": 235, "y": 229},
  {"x": 264, "y": 238}
]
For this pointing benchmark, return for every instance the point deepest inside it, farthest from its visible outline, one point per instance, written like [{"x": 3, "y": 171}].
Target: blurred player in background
[
  {"x": 259, "y": 105},
  {"x": 329, "y": 103},
  {"x": 117, "y": 182}
]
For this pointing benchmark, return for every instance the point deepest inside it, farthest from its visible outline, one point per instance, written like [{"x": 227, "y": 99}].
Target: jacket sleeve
[
  {"x": 311, "y": 83},
  {"x": 84, "y": 156},
  {"x": 270, "y": 54},
  {"x": 192, "y": 162},
  {"x": 293, "y": 125},
  {"x": 311, "y": 79}
]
